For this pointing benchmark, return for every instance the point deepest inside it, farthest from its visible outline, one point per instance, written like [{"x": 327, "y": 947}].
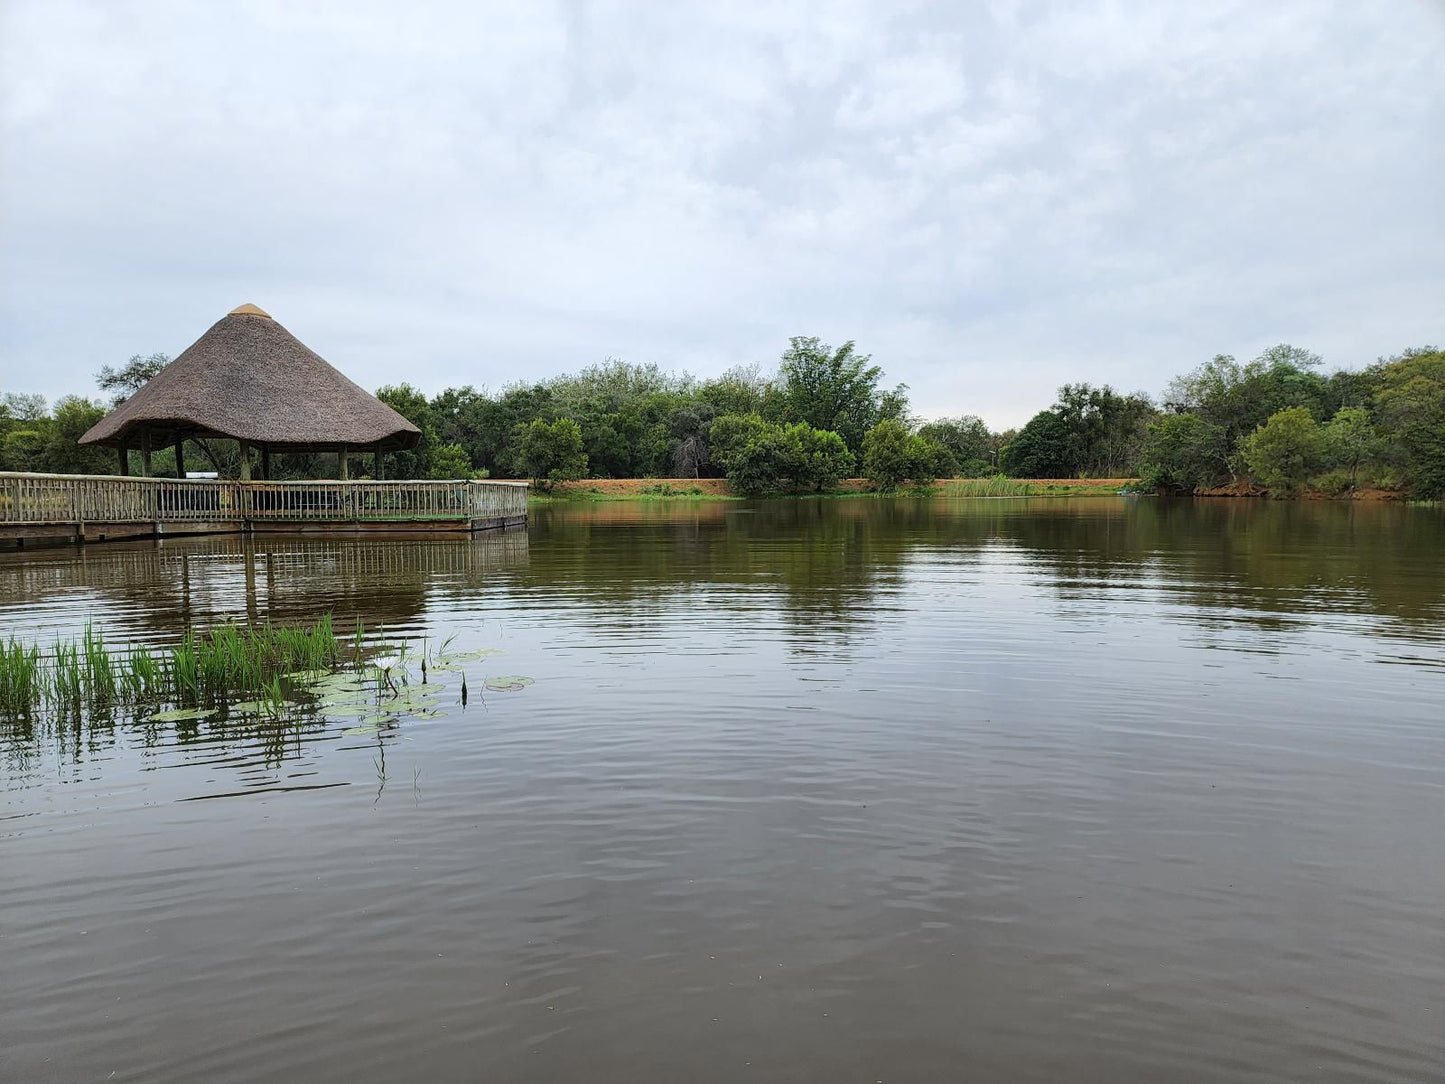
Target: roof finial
[{"x": 249, "y": 309}]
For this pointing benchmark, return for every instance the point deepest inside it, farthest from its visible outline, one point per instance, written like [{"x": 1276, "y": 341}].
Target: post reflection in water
[{"x": 828, "y": 789}]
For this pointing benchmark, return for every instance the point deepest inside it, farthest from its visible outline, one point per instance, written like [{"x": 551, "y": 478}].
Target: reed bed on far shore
[{"x": 1000, "y": 486}]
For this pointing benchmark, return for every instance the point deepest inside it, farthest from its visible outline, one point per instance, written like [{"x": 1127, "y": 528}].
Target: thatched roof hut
[{"x": 249, "y": 379}]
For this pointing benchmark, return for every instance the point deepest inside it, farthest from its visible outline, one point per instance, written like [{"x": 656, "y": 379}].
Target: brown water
[{"x": 846, "y": 790}]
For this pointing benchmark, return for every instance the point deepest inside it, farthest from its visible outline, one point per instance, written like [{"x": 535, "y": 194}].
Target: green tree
[
  {"x": 740, "y": 390},
  {"x": 22, "y": 407},
  {"x": 1180, "y": 454},
  {"x": 763, "y": 462},
  {"x": 967, "y": 439},
  {"x": 892, "y": 455},
  {"x": 1410, "y": 406},
  {"x": 836, "y": 390},
  {"x": 818, "y": 458},
  {"x": 730, "y": 434},
  {"x": 23, "y": 449},
  {"x": 124, "y": 382},
  {"x": 1042, "y": 449},
  {"x": 448, "y": 461},
  {"x": 886, "y": 461},
  {"x": 1350, "y": 440},
  {"x": 63, "y": 453},
  {"x": 412, "y": 405},
  {"x": 1106, "y": 430},
  {"x": 1284, "y": 451},
  {"x": 1236, "y": 399},
  {"x": 552, "y": 452}
]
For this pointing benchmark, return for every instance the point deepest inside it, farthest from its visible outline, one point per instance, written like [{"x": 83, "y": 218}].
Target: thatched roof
[{"x": 248, "y": 378}]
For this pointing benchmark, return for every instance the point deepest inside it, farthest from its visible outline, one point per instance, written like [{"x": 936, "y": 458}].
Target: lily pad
[
  {"x": 181, "y": 715},
  {"x": 250, "y": 707},
  {"x": 357, "y": 711},
  {"x": 415, "y": 697},
  {"x": 306, "y": 677},
  {"x": 508, "y": 683},
  {"x": 336, "y": 683},
  {"x": 453, "y": 660},
  {"x": 360, "y": 731}
]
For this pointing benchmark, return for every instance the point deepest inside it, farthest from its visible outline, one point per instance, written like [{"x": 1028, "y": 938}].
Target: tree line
[{"x": 1279, "y": 421}]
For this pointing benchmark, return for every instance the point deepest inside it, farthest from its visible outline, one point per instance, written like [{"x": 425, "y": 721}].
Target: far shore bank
[{"x": 717, "y": 489}]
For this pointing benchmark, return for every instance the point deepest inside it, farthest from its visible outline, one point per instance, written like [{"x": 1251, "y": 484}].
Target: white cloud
[{"x": 988, "y": 201}]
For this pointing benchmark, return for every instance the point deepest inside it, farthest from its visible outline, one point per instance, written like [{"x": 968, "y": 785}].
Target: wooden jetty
[{"x": 100, "y": 508}]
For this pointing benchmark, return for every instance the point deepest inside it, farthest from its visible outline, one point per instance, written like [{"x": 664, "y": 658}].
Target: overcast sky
[{"x": 991, "y": 199}]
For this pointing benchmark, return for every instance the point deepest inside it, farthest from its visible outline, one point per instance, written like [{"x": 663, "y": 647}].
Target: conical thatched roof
[{"x": 248, "y": 378}]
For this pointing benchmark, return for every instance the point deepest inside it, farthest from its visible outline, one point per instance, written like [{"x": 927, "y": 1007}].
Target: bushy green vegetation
[
  {"x": 34, "y": 439},
  {"x": 892, "y": 455},
  {"x": 1277, "y": 420}
]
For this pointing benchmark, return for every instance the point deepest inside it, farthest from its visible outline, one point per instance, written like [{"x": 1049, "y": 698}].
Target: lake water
[{"x": 836, "y": 790}]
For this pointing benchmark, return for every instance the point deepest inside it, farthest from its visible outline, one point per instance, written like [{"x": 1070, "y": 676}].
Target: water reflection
[
  {"x": 834, "y": 564},
  {"x": 1026, "y": 790},
  {"x": 154, "y": 591}
]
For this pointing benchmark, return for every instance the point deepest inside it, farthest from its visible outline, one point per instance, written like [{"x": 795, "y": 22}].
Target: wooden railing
[{"x": 84, "y": 498}]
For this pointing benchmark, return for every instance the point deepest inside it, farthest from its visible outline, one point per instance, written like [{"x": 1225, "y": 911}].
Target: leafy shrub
[
  {"x": 1335, "y": 483},
  {"x": 761, "y": 465},
  {"x": 552, "y": 452},
  {"x": 892, "y": 455},
  {"x": 1179, "y": 454},
  {"x": 1284, "y": 451},
  {"x": 729, "y": 434},
  {"x": 1041, "y": 449},
  {"x": 448, "y": 461},
  {"x": 773, "y": 457},
  {"x": 818, "y": 458}
]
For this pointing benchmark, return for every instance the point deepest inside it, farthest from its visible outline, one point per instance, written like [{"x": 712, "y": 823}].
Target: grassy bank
[
  {"x": 637, "y": 489},
  {"x": 716, "y": 489}
]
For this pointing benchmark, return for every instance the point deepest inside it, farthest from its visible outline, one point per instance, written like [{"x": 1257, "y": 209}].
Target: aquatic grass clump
[
  {"x": 21, "y": 679},
  {"x": 142, "y": 676},
  {"x": 278, "y": 670},
  {"x": 232, "y": 659},
  {"x": 204, "y": 668},
  {"x": 98, "y": 678}
]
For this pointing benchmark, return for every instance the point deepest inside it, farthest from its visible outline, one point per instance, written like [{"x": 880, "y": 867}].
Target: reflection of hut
[{"x": 250, "y": 380}]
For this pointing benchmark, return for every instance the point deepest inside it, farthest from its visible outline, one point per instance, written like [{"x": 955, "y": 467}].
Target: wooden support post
[
  {"x": 180, "y": 457},
  {"x": 378, "y": 466},
  {"x": 265, "y": 462},
  {"x": 124, "y": 459},
  {"x": 342, "y": 466},
  {"x": 145, "y": 454},
  {"x": 245, "y": 460}
]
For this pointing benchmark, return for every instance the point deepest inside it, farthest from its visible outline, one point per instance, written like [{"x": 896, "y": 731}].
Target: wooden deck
[{"x": 99, "y": 508}]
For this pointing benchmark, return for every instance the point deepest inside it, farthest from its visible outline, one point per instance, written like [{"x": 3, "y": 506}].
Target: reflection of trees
[
  {"x": 804, "y": 562},
  {"x": 827, "y": 571},
  {"x": 1261, "y": 560},
  {"x": 830, "y": 565}
]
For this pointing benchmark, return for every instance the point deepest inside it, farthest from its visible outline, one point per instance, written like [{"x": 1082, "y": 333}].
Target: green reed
[
  {"x": 997, "y": 486},
  {"x": 21, "y": 677},
  {"x": 209, "y": 666}
]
